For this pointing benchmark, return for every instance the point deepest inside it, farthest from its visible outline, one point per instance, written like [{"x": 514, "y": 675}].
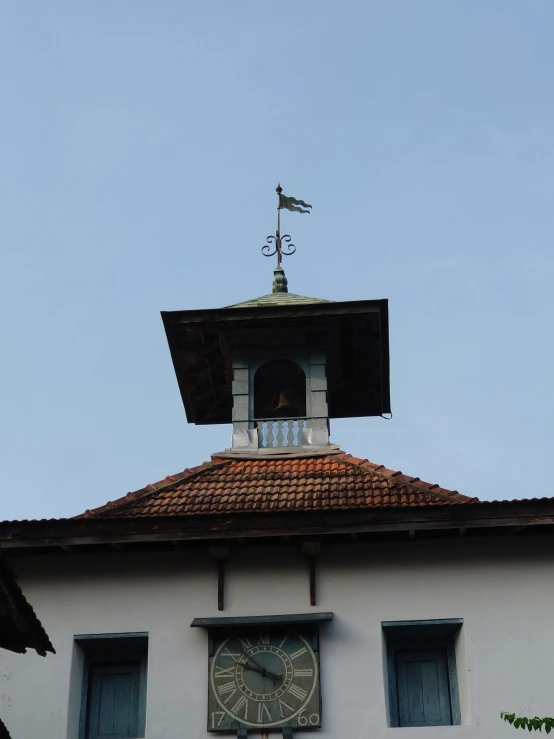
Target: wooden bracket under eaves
[
  {"x": 220, "y": 555},
  {"x": 312, "y": 550}
]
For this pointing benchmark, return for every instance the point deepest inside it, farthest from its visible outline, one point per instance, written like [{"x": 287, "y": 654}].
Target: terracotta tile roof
[{"x": 320, "y": 483}]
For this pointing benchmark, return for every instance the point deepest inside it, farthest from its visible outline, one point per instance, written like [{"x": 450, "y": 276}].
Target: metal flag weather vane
[{"x": 281, "y": 245}]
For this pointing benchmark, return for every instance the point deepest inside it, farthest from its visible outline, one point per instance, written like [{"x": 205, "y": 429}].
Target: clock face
[{"x": 264, "y": 678}]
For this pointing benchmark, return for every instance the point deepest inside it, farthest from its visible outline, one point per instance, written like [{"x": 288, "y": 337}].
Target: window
[
  {"x": 422, "y": 677},
  {"x": 113, "y": 704}
]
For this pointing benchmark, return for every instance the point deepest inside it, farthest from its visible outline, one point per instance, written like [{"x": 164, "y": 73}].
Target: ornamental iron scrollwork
[{"x": 280, "y": 245}]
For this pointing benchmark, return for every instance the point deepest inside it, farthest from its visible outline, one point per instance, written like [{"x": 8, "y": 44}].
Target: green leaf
[{"x": 531, "y": 724}]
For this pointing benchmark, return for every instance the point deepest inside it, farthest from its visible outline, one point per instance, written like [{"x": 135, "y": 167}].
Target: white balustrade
[{"x": 277, "y": 432}]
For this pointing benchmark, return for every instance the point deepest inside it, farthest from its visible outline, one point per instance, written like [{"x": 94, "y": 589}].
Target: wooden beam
[
  {"x": 312, "y": 550},
  {"x": 220, "y": 554},
  {"x": 313, "y": 593},
  {"x": 221, "y": 586}
]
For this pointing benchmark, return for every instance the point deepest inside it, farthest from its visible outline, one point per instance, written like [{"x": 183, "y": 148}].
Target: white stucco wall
[{"x": 501, "y": 588}]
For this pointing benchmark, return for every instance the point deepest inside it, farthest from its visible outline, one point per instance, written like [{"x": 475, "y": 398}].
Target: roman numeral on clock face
[
  {"x": 264, "y": 636},
  {"x": 227, "y": 653},
  {"x": 302, "y": 673},
  {"x": 282, "y": 705},
  {"x": 299, "y": 653},
  {"x": 226, "y": 687},
  {"x": 239, "y": 705},
  {"x": 263, "y": 713},
  {"x": 224, "y": 671},
  {"x": 246, "y": 643},
  {"x": 298, "y": 692}
]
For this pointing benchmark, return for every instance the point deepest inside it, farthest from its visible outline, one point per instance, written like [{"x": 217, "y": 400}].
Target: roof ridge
[
  {"x": 416, "y": 483},
  {"x": 155, "y": 487}
]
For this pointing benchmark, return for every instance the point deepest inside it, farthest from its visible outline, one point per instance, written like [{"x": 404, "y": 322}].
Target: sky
[{"x": 140, "y": 147}]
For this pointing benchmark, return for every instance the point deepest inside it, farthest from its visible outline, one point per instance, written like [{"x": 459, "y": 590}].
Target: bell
[{"x": 288, "y": 406}]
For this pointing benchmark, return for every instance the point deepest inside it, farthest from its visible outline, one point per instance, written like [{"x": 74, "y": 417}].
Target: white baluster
[{"x": 295, "y": 429}]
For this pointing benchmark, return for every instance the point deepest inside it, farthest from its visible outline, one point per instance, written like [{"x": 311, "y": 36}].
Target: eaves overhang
[
  {"x": 354, "y": 336},
  {"x": 72, "y": 534}
]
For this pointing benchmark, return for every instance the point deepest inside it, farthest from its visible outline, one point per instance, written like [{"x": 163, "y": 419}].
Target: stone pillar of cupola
[{"x": 318, "y": 431}]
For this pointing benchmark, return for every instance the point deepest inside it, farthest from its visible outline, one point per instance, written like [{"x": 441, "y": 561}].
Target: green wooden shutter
[
  {"x": 423, "y": 689},
  {"x": 114, "y": 701}
]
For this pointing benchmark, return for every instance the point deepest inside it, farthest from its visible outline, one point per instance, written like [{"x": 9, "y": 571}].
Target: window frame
[
  {"x": 420, "y": 636},
  {"x": 113, "y": 649}
]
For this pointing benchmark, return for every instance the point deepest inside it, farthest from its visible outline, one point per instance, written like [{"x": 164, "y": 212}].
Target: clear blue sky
[{"x": 141, "y": 143}]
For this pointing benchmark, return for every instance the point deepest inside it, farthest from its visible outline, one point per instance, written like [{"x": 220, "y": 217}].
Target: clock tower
[{"x": 278, "y": 368}]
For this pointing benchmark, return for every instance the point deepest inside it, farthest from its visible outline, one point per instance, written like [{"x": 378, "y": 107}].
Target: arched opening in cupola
[{"x": 280, "y": 390}]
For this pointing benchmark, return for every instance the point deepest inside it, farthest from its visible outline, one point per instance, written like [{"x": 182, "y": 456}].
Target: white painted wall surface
[{"x": 502, "y": 590}]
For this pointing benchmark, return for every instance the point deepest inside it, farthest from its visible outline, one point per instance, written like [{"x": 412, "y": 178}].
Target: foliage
[{"x": 531, "y": 724}]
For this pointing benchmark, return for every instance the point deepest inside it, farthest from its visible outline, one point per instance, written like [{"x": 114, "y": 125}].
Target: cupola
[{"x": 280, "y": 366}]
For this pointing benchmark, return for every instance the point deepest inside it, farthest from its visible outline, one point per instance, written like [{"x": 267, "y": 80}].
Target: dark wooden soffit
[
  {"x": 20, "y": 628},
  {"x": 354, "y": 335},
  {"x": 94, "y": 531}
]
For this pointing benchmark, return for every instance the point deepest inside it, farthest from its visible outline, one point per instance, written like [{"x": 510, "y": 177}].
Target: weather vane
[{"x": 281, "y": 245}]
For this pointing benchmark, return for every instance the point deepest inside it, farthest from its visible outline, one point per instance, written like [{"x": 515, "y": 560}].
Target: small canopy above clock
[{"x": 224, "y": 622}]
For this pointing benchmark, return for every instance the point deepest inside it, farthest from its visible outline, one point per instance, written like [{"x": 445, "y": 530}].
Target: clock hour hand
[
  {"x": 272, "y": 675},
  {"x": 256, "y": 667}
]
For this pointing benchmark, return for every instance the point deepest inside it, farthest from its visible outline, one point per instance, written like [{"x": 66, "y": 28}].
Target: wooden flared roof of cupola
[{"x": 354, "y": 336}]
